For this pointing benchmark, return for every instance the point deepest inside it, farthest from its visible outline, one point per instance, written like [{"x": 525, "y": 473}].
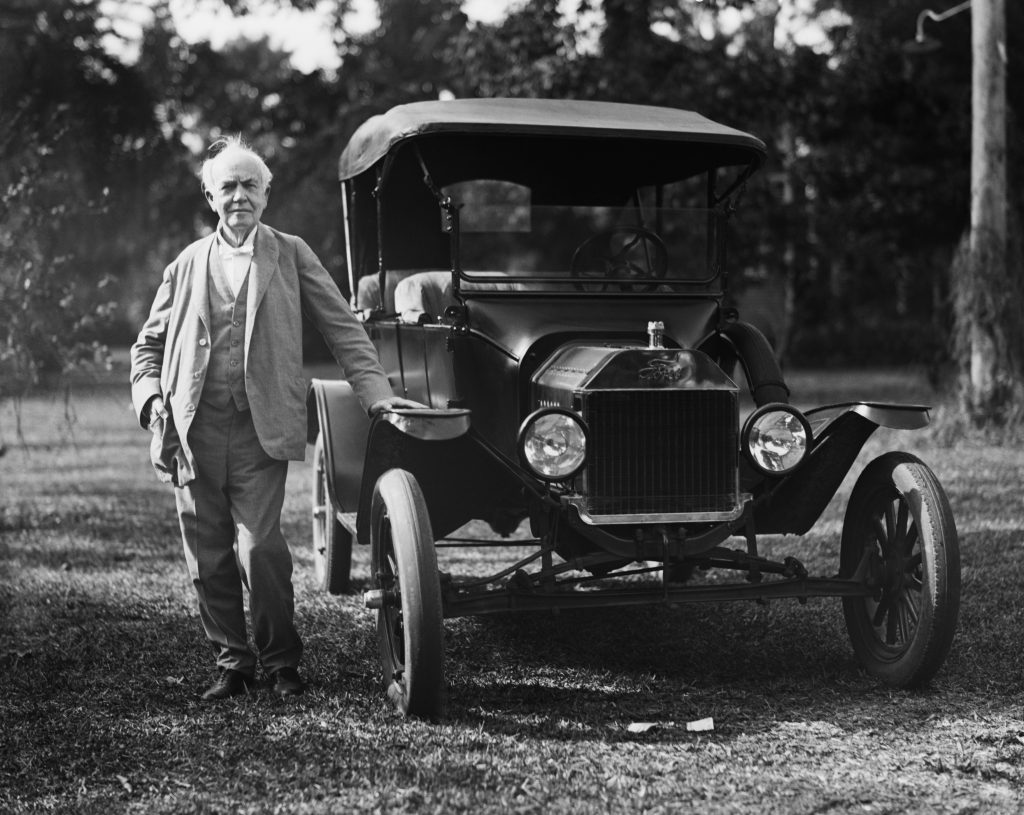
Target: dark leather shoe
[
  {"x": 229, "y": 683},
  {"x": 287, "y": 683}
]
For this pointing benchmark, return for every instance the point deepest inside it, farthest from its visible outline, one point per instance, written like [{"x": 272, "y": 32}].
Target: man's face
[{"x": 237, "y": 195}]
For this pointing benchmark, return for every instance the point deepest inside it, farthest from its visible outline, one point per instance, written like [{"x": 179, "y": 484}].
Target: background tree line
[{"x": 845, "y": 240}]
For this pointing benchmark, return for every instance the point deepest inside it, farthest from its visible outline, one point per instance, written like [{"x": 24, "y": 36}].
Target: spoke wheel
[
  {"x": 900, "y": 538},
  {"x": 332, "y": 543},
  {"x": 410, "y": 621}
]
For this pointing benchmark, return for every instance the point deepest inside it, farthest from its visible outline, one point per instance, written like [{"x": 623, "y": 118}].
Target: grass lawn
[{"x": 102, "y": 659}]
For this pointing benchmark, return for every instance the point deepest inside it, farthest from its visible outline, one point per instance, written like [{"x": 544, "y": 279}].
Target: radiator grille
[{"x": 671, "y": 451}]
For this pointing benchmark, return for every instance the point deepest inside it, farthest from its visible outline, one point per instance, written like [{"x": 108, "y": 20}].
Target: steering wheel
[{"x": 618, "y": 255}]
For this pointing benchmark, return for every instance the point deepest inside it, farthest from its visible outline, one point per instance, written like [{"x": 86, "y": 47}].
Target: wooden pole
[{"x": 988, "y": 235}]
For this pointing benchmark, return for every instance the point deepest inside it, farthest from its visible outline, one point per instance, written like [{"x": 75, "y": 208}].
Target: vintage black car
[{"x": 548, "y": 277}]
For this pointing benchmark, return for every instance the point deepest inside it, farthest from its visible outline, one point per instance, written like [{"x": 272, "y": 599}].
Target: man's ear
[{"x": 209, "y": 198}]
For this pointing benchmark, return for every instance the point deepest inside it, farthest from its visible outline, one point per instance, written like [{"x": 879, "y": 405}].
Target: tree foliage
[
  {"x": 77, "y": 133},
  {"x": 854, "y": 220}
]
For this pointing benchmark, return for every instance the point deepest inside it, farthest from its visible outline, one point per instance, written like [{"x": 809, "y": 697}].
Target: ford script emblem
[{"x": 667, "y": 369}]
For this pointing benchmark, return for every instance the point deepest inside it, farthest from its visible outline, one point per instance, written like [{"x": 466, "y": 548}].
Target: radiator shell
[{"x": 663, "y": 440}]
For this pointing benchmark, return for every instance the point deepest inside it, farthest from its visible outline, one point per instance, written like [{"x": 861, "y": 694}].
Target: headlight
[
  {"x": 553, "y": 443},
  {"x": 776, "y": 439}
]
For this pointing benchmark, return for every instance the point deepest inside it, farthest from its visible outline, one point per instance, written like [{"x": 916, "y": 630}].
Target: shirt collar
[{"x": 226, "y": 249}]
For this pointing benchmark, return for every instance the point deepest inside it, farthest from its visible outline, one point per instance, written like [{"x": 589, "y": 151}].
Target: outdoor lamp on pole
[{"x": 923, "y": 44}]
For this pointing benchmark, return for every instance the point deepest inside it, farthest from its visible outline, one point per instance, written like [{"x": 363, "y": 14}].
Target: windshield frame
[
  {"x": 381, "y": 204},
  {"x": 593, "y": 247}
]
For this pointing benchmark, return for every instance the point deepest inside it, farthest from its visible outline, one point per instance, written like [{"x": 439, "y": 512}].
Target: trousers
[{"x": 230, "y": 518}]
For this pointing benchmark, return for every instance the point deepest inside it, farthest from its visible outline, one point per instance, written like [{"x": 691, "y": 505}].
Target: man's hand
[
  {"x": 157, "y": 411},
  {"x": 391, "y": 403}
]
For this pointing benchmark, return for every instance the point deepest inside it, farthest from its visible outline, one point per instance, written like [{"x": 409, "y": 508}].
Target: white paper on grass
[
  {"x": 641, "y": 727},
  {"x": 696, "y": 726}
]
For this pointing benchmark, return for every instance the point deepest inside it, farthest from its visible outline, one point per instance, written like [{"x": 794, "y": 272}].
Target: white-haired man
[{"x": 217, "y": 376}]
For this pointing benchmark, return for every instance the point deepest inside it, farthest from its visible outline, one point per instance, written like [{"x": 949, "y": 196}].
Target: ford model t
[{"x": 547, "y": 278}]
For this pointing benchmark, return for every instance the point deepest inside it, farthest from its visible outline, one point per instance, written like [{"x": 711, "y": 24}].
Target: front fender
[
  {"x": 460, "y": 478},
  {"x": 792, "y": 505},
  {"x": 894, "y": 416}
]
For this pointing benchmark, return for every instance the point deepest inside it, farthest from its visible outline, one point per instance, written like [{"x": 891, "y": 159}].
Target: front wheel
[
  {"x": 900, "y": 538},
  {"x": 410, "y": 620},
  {"x": 332, "y": 543}
]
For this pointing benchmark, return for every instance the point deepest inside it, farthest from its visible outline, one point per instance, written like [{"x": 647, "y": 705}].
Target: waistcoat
[{"x": 225, "y": 375}]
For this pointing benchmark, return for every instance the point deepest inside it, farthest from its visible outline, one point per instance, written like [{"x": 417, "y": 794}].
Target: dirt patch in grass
[{"x": 102, "y": 658}]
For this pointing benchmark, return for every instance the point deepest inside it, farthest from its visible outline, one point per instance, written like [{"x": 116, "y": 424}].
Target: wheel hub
[{"x": 382, "y": 598}]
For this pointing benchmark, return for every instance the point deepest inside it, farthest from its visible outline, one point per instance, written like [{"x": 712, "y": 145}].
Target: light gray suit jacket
[{"x": 171, "y": 355}]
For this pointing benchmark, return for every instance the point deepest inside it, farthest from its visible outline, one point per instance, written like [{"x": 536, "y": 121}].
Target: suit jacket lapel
[
  {"x": 200, "y": 293},
  {"x": 262, "y": 270}
]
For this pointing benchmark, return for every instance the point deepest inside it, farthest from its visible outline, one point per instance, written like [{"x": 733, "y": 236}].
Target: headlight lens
[
  {"x": 553, "y": 443},
  {"x": 776, "y": 439}
]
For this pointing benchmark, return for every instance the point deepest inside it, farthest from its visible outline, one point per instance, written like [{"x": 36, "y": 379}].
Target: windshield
[{"x": 502, "y": 233}]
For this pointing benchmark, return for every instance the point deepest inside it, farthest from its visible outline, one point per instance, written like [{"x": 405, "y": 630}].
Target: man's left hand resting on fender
[{"x": 391, "y": 403}]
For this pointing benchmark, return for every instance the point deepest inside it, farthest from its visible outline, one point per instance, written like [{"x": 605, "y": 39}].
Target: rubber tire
[
  {"x": 410, "y": 631},
  {"x": 898, "y": 498},
  {"x": 332, "y": 543}
]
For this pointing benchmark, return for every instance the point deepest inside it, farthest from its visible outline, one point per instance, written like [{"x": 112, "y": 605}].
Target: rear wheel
[
  {"x": 410, "y": 620},
  {"x": 900, "y": 537},
  {"x": 332, "y": 543}
]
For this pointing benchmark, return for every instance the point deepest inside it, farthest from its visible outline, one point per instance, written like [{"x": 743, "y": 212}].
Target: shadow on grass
[
  {"x": 605, "y": 666},
  {"x": 543, "y": 660},
  {"x": 590, "y": 675},
  {"x": 673, "y": 663}
]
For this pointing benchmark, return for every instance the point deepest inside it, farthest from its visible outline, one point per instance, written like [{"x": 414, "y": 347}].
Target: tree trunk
[{"x": 987, "y": 302}]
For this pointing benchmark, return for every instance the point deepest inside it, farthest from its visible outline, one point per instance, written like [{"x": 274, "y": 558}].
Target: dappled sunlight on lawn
[{"x": 100, "y": 640}]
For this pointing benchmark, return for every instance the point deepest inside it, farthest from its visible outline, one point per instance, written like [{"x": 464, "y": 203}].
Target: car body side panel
[
  {"x": 429, "y": 359},
  {"x": 386, "y": 336},
  {"x": 485, "y": 373},
  {"x": 439, "y": 363},
  {"x": 415, "y": 374},
  {"x": 418, "y": 361}
]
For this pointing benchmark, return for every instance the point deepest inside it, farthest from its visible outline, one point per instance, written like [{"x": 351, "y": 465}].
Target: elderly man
[{"x": 217, "y": 376}]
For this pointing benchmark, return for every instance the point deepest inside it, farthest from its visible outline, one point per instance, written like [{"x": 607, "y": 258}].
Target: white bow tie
[{"x": 234, "y": 251}]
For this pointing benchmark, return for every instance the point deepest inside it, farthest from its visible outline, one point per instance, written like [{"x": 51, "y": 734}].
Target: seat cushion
[{"x": 424, "y": 293}]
